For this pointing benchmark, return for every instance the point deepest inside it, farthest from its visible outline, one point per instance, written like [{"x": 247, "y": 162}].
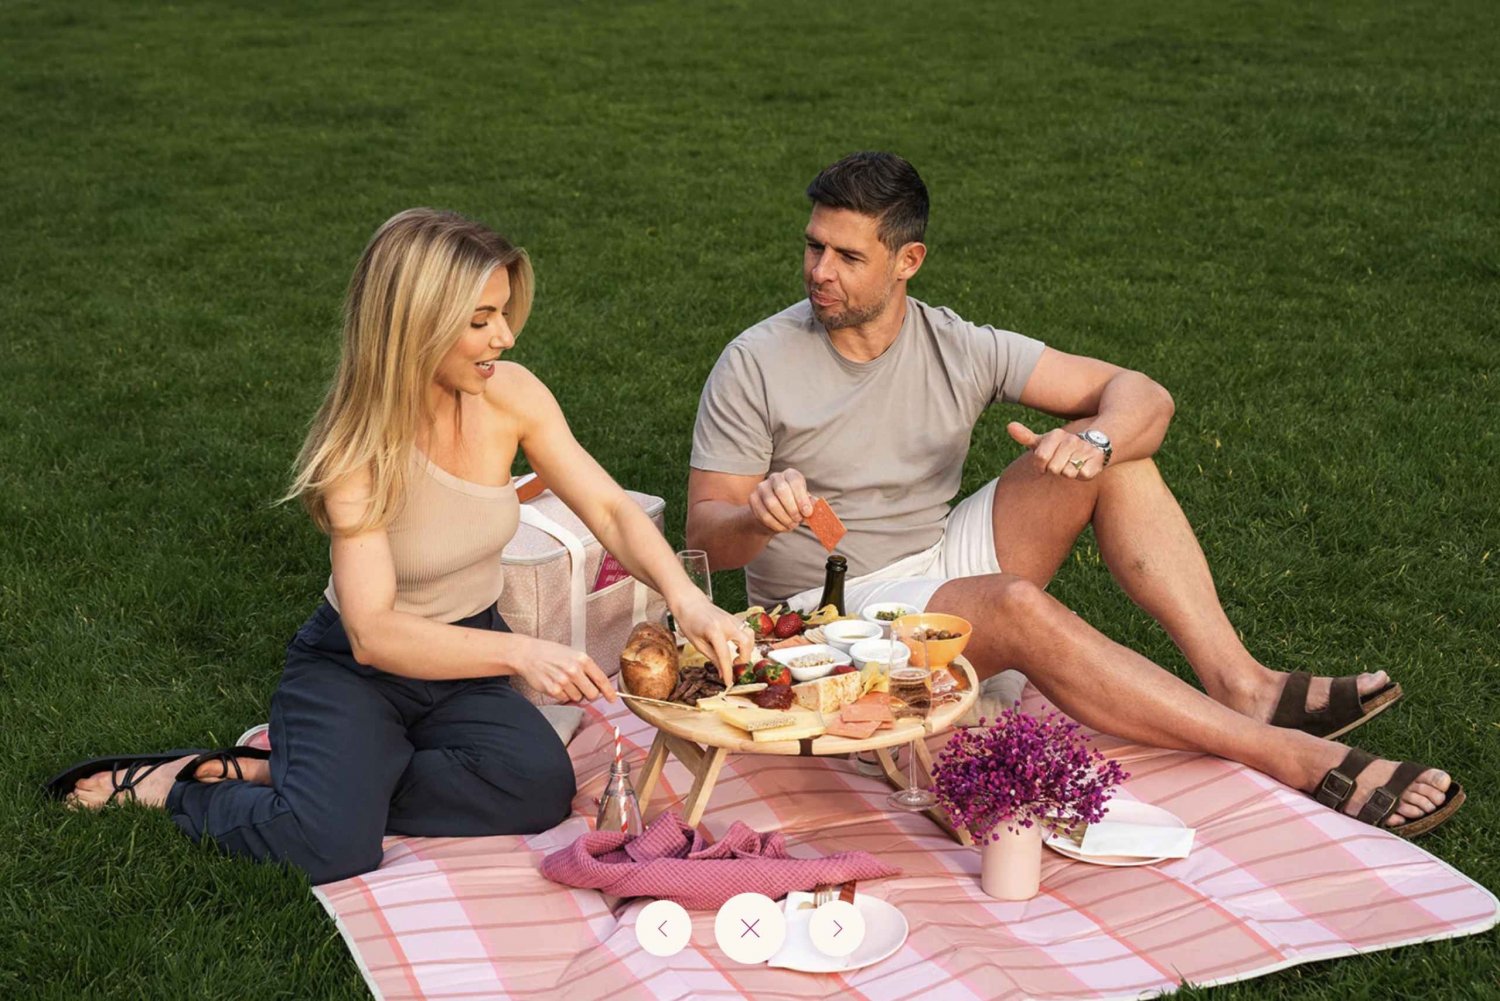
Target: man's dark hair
[{"x": 880, "y": 185}]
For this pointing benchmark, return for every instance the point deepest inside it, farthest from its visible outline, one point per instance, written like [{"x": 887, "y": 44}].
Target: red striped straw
[{"x": 617, "y": 744}]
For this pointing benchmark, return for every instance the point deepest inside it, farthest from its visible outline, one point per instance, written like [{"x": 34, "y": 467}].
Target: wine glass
[
  {"x": 911, "y": 688},
  {"x": 695, "y": 565}
]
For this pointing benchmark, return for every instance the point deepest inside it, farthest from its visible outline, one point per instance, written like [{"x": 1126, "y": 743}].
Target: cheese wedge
[
  {"x": 755, "y": 719},
  {"x": 830, "y": 693}
]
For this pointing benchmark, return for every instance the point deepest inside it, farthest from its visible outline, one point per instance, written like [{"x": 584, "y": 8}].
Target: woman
[{"x": 395, "y": 712}]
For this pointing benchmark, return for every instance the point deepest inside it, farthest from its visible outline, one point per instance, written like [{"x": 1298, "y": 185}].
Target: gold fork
[
  {"x": 822, "y": 894},
  {"x": 1074, "y": 833}
]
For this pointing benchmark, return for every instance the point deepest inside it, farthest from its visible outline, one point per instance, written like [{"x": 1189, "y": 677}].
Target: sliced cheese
[
  {"x": 830, "y": 693},
  {"x": 805, "y": 727},
  {"x": 755, "y": 718}
]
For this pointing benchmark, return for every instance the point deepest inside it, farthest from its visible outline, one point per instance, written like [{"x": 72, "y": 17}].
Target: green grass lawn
[{"x": 1285, "y": 215}]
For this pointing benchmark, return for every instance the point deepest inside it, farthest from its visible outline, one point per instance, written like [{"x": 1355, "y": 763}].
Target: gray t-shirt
[{"x": 883, "y": 441}]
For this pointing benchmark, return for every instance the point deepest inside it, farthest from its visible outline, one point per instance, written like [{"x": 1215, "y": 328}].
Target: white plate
[
  {"x": 1125, "y": 811},
  {"x": 786, "y": 656},
  {"x": 868, "y": 613},
  {"x": 885, "y": 932}
]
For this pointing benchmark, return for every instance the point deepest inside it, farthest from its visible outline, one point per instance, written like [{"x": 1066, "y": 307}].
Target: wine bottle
[{"x": 833, "y": 583}]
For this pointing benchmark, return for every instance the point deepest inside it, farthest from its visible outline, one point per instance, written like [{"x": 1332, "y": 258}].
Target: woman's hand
[
  {"x": 560, "y": 672},
  {"x": 720, "y": 636}
]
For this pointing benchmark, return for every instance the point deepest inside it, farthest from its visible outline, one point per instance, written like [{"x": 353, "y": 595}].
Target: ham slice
[
  {"x": 856, "y": 731},
  {"x": 864, "y": 712}
]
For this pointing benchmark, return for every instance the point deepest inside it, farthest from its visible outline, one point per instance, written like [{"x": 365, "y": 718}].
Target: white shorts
[{"x": 967, "y": 549}]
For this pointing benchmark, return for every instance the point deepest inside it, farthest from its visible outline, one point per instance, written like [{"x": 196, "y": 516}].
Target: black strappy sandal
[
  {"x": 227, "y": 759},
  {"x": 135, "y": 767},
  {"x": 1338, "y": 785}
]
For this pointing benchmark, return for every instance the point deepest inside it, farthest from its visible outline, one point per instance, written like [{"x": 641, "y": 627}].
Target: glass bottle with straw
[{"x": 619, "y": 810}]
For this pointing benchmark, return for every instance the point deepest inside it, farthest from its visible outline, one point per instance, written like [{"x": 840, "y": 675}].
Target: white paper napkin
[{"x": 1137, "y": 840}]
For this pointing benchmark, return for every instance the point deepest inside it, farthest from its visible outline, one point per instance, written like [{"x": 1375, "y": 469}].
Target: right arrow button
[{"x": 837, "y": 928}]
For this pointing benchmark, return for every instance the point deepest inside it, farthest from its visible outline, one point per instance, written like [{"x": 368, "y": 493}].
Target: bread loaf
[{"x": 648, "y": 664}]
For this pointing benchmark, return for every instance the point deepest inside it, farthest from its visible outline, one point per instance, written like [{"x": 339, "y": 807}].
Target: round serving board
[{"x": 709, "y": 730}]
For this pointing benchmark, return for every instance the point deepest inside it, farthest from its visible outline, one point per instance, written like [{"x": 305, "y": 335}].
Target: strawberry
[
  {"x": 778, "y": 675},
  {"x": 790, "y": 624},
  {"x": 764, "y": 665},
  {"x": 762, "y": 623}
]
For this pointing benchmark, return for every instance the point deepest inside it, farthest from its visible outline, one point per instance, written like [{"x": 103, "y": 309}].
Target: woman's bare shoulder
[
  {"x": 347, "y": 500},
  {"x": 515, "y": 391}
]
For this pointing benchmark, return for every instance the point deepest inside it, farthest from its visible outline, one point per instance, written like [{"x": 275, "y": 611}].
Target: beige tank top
[{"x": 446, "y": 544}]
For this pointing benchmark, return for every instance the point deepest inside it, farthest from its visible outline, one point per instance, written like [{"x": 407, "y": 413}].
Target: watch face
[{"x": 1097, "y": 437}]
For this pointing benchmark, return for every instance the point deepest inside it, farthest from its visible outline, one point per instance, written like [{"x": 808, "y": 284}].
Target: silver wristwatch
[{"x": 1099, "y": 440}]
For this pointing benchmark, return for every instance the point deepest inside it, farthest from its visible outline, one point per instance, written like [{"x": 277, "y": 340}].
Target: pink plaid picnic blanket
[
  {"x": 672, "y": 861},
  {"x": 1274, "y": 880}
]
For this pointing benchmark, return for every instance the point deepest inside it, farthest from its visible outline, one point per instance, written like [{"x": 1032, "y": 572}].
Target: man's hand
[
  {"x": 1060, "y": 452},
  {"x": 780, "y": 501}
]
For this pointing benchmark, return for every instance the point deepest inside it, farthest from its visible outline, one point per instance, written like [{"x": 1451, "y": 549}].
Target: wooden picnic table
[{"x": 702, "y": 741}]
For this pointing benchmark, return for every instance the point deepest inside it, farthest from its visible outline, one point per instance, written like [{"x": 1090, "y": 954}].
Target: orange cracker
[
  {"x": 793, "y": 641},
  {"x": 826, "y": 525}
]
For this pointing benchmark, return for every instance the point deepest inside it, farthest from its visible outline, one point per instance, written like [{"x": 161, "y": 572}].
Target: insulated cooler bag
[{"x": 561, "y": 585}]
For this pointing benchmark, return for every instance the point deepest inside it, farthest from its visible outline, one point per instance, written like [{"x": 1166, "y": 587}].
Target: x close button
[
  {"x": 663, "y": 928},
  {"x": 750, "y": 928}
]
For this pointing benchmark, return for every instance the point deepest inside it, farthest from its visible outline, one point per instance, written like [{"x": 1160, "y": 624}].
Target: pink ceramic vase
[{"x": 1011, "y": 865}]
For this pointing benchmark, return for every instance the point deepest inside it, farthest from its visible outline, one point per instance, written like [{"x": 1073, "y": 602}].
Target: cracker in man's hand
[{"x": 826, "y": 525}]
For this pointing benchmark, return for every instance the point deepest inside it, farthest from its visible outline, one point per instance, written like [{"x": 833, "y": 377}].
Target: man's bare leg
[
  {"x": 1150, "y": 549},
  {"x": 1117, "y": 691}
]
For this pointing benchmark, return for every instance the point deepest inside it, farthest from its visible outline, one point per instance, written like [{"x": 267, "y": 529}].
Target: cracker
[{"x": 826, "y": 525}]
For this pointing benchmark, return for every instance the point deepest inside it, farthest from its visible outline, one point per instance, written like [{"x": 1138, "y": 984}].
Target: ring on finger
[{"x": 1078, "y": 463}]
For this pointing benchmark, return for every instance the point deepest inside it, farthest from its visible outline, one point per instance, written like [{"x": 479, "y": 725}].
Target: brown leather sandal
[
  {"x": 1346, "y": 709},
  {"x": 1338, "y": 785}
]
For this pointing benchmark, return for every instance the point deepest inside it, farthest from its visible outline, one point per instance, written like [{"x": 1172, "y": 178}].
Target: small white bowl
[
  {"x": 790, "y": 655},
  {"x": 869, "y": 613},
  {"x": 892, "y": 653},
  {"x": 844, "y": 633}
]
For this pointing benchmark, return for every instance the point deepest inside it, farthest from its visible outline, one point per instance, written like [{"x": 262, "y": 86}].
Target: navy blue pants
[{"x": 357, "y": 753}]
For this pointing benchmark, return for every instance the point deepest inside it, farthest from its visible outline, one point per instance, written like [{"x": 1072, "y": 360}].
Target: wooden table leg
[
  {"x": 704, "y": 778},
  {"x": 651, "y": 770},
  {"x": 897, "y": 778},
  {"x": 704, "y": 762}
]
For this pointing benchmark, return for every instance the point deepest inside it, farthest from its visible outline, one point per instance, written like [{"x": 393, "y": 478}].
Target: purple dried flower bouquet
[{"x": 1022, "y": 770}]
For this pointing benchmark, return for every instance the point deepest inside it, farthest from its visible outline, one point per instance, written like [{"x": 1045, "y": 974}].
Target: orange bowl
[{"x": 941, "y": 652}]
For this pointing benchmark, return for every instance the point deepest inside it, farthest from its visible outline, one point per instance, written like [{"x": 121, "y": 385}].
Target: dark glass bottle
[{"x": 833, "y": 583}]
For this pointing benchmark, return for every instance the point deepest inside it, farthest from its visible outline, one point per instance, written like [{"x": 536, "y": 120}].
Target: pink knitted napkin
[{"x": 672, "y": 861}]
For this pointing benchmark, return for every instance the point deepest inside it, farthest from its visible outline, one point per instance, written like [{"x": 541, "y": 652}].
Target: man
[{"x": 867, "y": 398}]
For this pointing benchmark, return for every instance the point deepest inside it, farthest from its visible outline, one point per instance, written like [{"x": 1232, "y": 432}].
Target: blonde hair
[{"x": 412, "y": 292}]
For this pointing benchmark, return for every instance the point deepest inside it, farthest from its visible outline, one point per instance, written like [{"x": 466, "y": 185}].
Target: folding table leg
[
  {"x": 704, "y": 778},
  {"x": 651, "y": 770}
]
